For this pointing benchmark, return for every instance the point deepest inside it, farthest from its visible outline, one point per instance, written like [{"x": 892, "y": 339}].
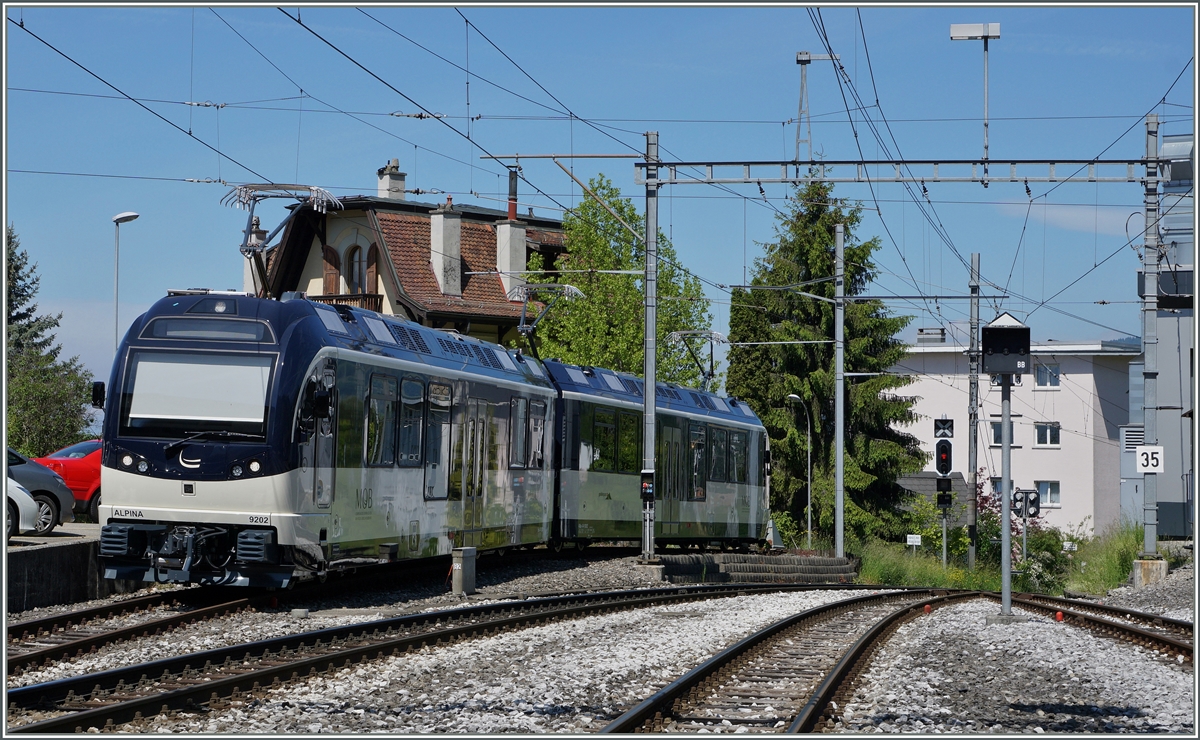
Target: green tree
[
  {"x": 48, "y": 398},
  {"x": 606, "y": 327},
  {"x": 877, "y": 451}
]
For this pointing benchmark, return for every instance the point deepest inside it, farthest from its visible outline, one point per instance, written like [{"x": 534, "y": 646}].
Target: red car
[{"x": 79, "y": 465}]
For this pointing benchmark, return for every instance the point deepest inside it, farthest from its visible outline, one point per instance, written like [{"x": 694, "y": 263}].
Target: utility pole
[
  {"x": 1150, "y": 258},
  {"x": 804, "y": 58},
  {"x": 973, "y": 418},
  {"x": 839, "y": 316},
  {"x": 1006, "y": 496},
  {"x": 650, "y": 347}
]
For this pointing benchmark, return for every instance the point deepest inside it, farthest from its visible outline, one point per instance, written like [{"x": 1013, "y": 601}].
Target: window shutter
[
  {"x": 371, "y": 285},
  {"x": 333, "y": 269}
]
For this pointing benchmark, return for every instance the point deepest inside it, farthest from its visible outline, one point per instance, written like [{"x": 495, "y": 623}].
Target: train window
[
  {"x": 437, "y": 442},
  {"x": 412, "y": 413},
  {"x": 717, "y": 454},
  {"x": 737, "y": 457},
  {"x": 629, "y": 449},
  {"x": 697, "y": 441},
  {"x": 604, "y": 440},
  {"x": 537, "y": 434},
  {"x": 518, "y": 431},
  {"x": 381, "y": 421},
  {"x": 226, "y": 330}
]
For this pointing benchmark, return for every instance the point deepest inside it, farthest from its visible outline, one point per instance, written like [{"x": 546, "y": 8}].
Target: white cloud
[{"x": 1105, "y": 220}]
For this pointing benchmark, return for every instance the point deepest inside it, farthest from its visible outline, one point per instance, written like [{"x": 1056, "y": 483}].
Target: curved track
[
  {"x": 121, "y": 695},
  {"x": 776, "y": 677}
]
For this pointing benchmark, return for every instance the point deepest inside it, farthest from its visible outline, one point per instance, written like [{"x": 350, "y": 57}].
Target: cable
[{"x": 140, "y": 105}]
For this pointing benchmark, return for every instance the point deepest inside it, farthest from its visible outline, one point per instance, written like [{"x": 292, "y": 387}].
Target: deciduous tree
[{"x": 606, "y": 327}]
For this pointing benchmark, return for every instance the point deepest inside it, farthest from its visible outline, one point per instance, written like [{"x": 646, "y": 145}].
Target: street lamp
[
  {"x": 985, "y": 31},
  {"x": 793, "y": 398},
  {"x": 120, "y": 218}
]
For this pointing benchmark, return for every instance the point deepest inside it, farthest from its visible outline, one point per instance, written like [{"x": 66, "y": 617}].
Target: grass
[
  {"x": 1105, "y": 561},
  {"x": 891, "y": 564}
]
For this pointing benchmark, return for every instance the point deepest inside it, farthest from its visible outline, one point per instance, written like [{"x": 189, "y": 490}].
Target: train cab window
[
  {"x": 738, "y": 467},
  {"x": 697, "y": 441},
  {"x": 604, "y": 440},
  {"x": 629, "y": 448},
  {"x": 381, "y": 421},
  {"x": 518, "y": 431},
  {"x": 437, "y": 442},
  {"x": 537, "y": 434},
  {"x": 717, "y": 454},
  {"x": 412, "y": 416}
]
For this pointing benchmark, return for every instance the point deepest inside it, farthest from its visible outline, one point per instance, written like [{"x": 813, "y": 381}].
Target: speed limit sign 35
[{"x": 1149, "y": 458}]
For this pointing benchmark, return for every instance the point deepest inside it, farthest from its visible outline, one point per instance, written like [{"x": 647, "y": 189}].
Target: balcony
[{"x": 368, "y": 301}]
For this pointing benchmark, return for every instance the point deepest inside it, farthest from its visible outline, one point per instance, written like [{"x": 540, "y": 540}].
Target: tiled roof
[{"x": 407, "y": 238}]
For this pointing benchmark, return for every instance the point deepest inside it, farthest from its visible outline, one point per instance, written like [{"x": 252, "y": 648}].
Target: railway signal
[{"x": 943, "y": 457}]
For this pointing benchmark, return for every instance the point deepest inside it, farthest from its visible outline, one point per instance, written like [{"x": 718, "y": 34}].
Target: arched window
[
  {"x": 329, "y": 284},
  {"x": 356, "y": 270}
]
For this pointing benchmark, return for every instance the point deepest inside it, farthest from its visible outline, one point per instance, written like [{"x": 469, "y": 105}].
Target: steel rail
[
  {"x": 856, "y": 658},
  {"x": 89, "y": 642},
  {"x": 1126, "y": 632},
  {"x": 529, "y": 612},
  {"x": 65, "y": 620},
  {"x": 664, "y": 698},
  {"x": 1156, "y": 620}
]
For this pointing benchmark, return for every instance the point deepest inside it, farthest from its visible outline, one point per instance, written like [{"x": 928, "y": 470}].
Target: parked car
[
  {"x": 55, "y": 501},
  {"x": 21, "y": 512},
  {"x": 79, "y": 466}
]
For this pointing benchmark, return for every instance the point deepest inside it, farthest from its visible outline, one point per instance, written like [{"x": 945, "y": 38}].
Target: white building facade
[{"x": 1066, "y": 417}]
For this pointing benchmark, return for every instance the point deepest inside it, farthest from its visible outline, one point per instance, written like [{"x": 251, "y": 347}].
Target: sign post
[{"x": 1006, "y": 352}]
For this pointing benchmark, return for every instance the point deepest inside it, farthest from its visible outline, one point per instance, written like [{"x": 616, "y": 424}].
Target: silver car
[
  {"x": 55, "y": 502},
  {"x": 21, "y": 512}
]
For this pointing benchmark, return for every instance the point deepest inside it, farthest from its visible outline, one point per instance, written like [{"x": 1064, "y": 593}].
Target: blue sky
[{"x": 716, "y": 83}]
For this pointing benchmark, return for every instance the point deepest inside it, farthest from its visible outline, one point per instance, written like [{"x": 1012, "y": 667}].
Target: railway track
[
  {"x": 71, "y": 634},
  {"x": 191, "y": 681},
  {"x": 1169, "y": 636},
  {"x": 781, "y": 677}
]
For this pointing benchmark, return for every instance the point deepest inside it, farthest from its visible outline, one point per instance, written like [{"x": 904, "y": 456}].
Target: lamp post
[
  {"x": 793, "y": 398},
  {"x": 120, "y": 218},
  {"x": 985, "y": 31}
]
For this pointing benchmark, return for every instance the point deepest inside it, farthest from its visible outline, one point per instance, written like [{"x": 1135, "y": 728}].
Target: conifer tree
[{"x": 877, "y": 449}]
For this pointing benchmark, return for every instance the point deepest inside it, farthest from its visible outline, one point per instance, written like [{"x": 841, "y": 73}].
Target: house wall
[{"x": 1086, "y": 460}]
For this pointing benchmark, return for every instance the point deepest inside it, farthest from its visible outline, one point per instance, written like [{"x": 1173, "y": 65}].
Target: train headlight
[
  {"x": 237, "y": 471},
  {"x": 127, "y": 460},
  {"x": 255, "y": 466},
  {"x": 143, "y": 466}
]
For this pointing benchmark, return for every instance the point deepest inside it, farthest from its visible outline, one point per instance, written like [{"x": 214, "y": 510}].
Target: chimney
[
  {"x": 510, "y": 253},
  {"x": 257, "y": 234},
  {"x": 931, "y": 336},
  {"x": 445, "y": 248},
  {"x": 391, "y": 181}
]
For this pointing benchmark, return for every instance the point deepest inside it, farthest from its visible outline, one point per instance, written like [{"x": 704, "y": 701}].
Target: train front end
[{"x": 197, "y": 468}]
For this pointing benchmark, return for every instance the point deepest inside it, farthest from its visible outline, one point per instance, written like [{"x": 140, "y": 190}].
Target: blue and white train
[{"x": 257, "y": 442}]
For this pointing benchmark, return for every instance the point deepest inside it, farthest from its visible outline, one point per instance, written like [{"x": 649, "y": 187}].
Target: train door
[
  {"x": 669, "y": 485},
  {"x": 322, "y": 440},
  {"x": 475, "y": 469}
]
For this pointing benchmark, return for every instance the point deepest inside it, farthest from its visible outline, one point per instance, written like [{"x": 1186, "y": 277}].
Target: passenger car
[
  {"x": 54, "y": 499},
  {"x": 21, "y": 511},
  {"x": 79, "y": 466}
]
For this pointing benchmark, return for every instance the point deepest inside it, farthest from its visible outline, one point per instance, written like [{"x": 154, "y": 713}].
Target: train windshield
[{"x": 170, "y": 394}]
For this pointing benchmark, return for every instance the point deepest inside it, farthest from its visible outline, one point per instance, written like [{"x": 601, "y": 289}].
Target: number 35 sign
[{"x": 1149, "y": 459}]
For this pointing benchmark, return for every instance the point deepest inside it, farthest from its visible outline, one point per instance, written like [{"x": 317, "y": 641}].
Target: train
[{"x": 260, "y": 442}]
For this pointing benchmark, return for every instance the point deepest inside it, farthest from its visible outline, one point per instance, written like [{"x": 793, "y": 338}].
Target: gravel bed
[
  {"x": 950, "y": 672},
  {"x": 49, "y": 611},
  {"x": 1174, "y": 597},
  {"x": 565, "y": 677},
  {"x": 497, "y": 578}
]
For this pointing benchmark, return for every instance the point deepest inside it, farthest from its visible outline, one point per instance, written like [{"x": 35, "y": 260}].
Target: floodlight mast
[{"x": 985, "y": 31}]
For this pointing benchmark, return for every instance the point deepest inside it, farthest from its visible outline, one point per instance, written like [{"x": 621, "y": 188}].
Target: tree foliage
[
  {"x": 48, "y": 398},
  {"x": 877, "y": 451},
  {"x": 606, "y": 327}
]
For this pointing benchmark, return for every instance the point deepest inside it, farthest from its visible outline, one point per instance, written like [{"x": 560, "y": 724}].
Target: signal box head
[{"x": 1006, "y": 346}]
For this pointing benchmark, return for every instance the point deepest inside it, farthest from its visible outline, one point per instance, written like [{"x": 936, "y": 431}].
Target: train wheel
[{"x": 556, "y": 546}]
